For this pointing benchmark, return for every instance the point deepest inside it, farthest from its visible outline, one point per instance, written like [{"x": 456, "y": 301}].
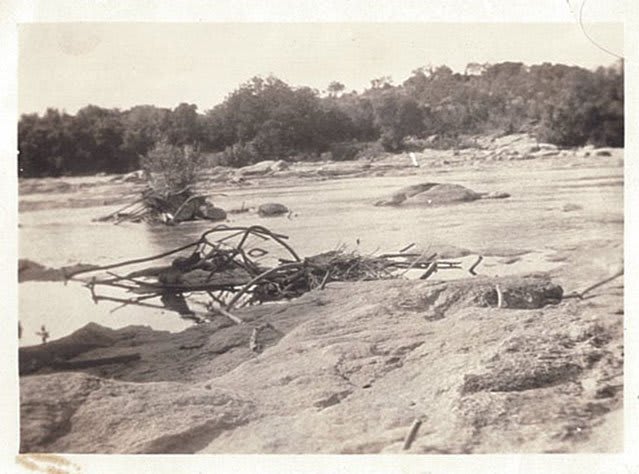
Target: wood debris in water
[
  {"x": 166, "y": 206},
  {"x": 229, "y": 267}
]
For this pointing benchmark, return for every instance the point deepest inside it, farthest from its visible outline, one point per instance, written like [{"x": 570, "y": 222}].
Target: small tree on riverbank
[{"x": 172, "y": 168}]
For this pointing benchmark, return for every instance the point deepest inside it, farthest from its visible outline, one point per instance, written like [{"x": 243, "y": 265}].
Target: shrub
[
  {"x": 346, "y": 151},
  {"x": 172, "y": 168},
  {"x": 240, "y": 154}
]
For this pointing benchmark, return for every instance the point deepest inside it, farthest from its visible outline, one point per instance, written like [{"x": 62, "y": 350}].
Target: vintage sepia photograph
[{"x": 321, "y": 238}]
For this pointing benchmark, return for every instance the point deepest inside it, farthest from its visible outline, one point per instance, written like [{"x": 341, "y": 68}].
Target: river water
[{"x": 553, "y": 203}]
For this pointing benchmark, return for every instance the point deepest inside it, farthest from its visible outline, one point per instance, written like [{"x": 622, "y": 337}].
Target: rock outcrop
[
  {"x": 437, "y": 194},
  {"x": 347, "y": 370},
  {"x": 430, "y": 194}
]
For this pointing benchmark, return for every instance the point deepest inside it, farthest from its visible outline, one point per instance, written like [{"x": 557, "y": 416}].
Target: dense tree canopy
[{"x": 266, "y": 118}]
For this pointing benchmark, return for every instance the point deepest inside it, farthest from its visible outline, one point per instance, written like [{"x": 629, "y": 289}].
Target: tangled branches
[
  {"x": 169, "y": 207},
  {"x": 230, "y": 266}
]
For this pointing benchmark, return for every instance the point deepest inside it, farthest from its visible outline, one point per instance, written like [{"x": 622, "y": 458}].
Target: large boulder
[
  {"x": 430, "y": 194},
  {"x": 409, "y": 191},
  {"x": 444, "y": 194}
]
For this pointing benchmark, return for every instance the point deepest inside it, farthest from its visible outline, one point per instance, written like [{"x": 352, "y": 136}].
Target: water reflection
[{"x": 65, "y": 308}]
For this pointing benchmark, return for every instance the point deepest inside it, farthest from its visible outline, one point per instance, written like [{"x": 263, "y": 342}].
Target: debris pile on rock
[{"x": 232, "y": 270}]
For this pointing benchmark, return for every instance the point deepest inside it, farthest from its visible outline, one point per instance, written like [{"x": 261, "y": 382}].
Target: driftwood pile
[
  {"x": 237, "y": 266},
  {"x": 166, "y": 206}
]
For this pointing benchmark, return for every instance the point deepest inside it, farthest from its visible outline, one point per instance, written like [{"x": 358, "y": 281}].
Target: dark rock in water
[
  {"x": 272, "y": 209},
  {"x": 210, "y": 212}
]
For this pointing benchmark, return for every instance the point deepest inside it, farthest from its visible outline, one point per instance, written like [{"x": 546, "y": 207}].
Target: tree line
[{"x": 266, "y": 118}]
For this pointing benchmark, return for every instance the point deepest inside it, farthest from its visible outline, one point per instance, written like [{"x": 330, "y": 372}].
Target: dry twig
[
  {"x": 412, "y": 434},
  {"x": 500, "y": 297}
]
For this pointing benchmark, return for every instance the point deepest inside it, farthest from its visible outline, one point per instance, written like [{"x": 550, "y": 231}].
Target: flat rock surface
[{"x": 347, "y": 370}]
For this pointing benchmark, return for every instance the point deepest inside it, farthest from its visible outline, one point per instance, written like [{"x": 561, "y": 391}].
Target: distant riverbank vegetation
[{"x": 266, "y": 118}]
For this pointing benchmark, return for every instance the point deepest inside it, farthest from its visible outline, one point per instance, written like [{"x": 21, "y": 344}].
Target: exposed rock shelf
[{"x": 344, "y": 370}]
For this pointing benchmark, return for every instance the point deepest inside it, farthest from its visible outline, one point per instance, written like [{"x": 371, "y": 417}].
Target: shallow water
[
  {"x": 65, "y": 308},
  {"x": 327, "y": 214}
]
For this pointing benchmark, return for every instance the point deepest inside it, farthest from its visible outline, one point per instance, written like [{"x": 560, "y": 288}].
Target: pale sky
[{"x": 70, "y": 65}]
